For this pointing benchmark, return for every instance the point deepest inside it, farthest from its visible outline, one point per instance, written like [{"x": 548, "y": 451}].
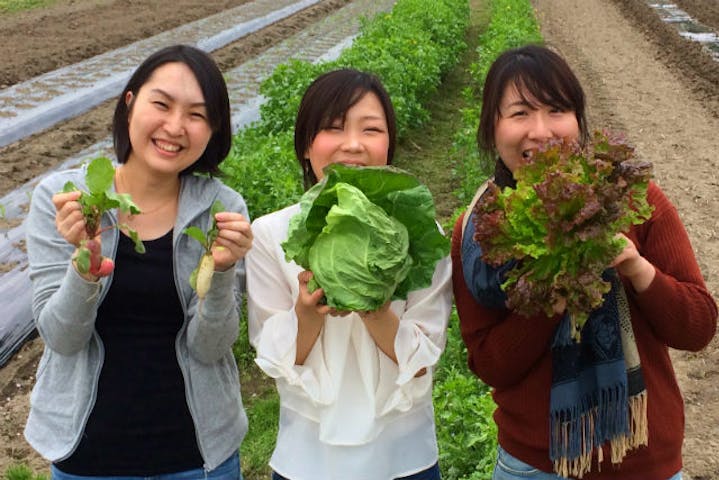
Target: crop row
[{"x": 410, "y": 48}]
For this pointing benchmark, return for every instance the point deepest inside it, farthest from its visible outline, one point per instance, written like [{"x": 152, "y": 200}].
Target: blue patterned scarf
[{"x": 597, "y": 393}]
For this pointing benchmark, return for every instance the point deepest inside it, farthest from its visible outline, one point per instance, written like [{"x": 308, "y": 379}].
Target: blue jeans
[
  {"x": 432, "y": 473},
  {"x": 511, "y": 468},
  {"x": 227, "y": 470}
]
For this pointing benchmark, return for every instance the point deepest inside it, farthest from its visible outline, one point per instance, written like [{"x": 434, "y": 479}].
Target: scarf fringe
[{"x": 565, "y": 434}]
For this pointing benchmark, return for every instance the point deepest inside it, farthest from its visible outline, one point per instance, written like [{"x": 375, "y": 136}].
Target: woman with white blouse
[{"x": 355, "y": 388}]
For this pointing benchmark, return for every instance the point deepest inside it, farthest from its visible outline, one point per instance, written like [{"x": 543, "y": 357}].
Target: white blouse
[{"x": 349, "y": 412}]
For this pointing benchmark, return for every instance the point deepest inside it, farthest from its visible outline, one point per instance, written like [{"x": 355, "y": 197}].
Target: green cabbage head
[{"x": 368, "y": 234}]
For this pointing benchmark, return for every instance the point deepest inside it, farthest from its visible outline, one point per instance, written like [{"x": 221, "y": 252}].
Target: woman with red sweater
[{"x": 531, "y": 96}]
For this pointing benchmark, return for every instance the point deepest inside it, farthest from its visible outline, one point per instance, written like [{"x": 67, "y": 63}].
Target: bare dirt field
[
  {"x": 640, "y": 76},
  {"x": 73, "y": 30},
  {"x": 663, "y": 91}
]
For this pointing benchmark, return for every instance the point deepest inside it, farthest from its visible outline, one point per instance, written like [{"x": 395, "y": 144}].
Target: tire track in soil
[
  {"x": 667, "y": 105},
  {"x": 706, "y": 11},
  {"x": 24, "y": 160}
]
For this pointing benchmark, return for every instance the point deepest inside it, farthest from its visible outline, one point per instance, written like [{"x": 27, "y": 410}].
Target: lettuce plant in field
[
  {"x": 561, "y": 222},
  {"x": 368, "y": 234}
]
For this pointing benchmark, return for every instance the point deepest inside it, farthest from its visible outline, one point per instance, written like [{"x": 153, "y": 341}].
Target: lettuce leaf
[
  {"x": 561, "y": 220},
  {"x": 368, "y": 234}
]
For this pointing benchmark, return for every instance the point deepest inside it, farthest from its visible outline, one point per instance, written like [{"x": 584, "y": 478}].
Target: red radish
[
  {"x": 95, "y": 202},
  {"x": 95, "y": 255},
  {"x": 105, "y": 269},
  {"x": 89, "y": 259}
]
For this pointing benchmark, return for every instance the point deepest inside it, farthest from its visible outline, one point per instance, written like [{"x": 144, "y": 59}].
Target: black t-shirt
[{"x": 140, "y": 423}]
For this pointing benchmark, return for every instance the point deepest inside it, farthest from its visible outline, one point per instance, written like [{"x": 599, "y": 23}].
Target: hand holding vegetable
[
  {"x": 310, "y": 304},
  {"x": 233, "y": 241},
  {"x": 632, "y": 265},
  {"x": 70, "y": 224},
  {"x": 69, "y": 220},
  {"x": 228, "y": 238},
  {"x": 79, "y": 216}
]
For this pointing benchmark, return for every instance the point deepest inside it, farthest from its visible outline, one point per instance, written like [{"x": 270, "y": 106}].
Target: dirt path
[{"x": 670, "y": 114}]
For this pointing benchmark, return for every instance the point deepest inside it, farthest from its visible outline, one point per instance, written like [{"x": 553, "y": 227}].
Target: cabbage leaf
[{"x": 368, "y": 234}]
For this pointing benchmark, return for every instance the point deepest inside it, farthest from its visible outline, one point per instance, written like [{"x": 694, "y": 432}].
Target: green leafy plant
[
  {"x": 98, "y": 199},
  {"x": 368, "y": 234},
  {"x": 254, "y": 152},
  {"x": 561, "y": 222},
  {"x": 466, "y": 432},
  {"x": 201, "y": 276},
  {"x": 20, "y": 471}
]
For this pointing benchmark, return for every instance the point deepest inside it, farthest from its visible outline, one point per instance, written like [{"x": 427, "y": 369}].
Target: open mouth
[
  {"x": 167, "y": 146},
  {"x": 353, "y": 163}
]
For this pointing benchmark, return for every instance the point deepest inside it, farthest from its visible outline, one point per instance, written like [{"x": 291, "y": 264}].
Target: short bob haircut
[
  {"x": 217, "y": 103},
  {"x": 328, "y": 98},
  {"x": 541, "y": 73}
]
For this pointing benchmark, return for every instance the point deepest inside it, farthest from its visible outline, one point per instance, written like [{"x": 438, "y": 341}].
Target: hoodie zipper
[{"x": 105, "y": 287}]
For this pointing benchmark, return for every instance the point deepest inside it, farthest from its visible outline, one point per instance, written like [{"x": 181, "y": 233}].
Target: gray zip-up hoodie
[{"x": 65, "y": 307}]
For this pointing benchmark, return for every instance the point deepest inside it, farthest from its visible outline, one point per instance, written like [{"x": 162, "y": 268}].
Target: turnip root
[{"x": 203, "y": 279}]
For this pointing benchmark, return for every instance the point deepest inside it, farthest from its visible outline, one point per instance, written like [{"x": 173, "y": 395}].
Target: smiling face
[
  {"x": 362, "y": 138},
  {"x": 524, "y": 124},
  {"x": 168, "y": 122}
]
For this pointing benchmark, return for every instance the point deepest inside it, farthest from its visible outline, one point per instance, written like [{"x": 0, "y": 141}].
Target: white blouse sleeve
[
  {"x": 272, "y": 289},
  {"x": 420, "y": 341}
]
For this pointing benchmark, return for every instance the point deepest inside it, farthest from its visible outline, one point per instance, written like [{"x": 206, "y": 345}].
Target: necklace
[{"x": 122, "y": 189}]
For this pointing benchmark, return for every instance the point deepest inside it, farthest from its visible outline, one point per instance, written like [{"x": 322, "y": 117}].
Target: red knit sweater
[{"x": 512, "y": 353}]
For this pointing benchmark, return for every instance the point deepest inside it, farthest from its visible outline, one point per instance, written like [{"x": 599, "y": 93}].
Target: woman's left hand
[
  {"x": 377, "y": 315},
  {"x": 233, "y": 241},
  {"x": 632, "y": 265},
  {"x": 382, "y": 325}
]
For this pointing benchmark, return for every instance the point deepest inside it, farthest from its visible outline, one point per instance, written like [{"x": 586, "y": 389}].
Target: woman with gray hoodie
[{"x": 137, "y": 377}]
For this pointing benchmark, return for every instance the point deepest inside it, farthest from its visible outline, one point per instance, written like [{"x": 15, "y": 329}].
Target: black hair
[
  {"x": 328, "y": 98},
  {"x": 213, "y": 88},
  {"x": 542, "y": 73}
]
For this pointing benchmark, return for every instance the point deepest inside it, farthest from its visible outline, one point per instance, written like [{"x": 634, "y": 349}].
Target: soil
[
  {"x": 663, "y": 91},
  {"x": 640, "y": 77},
  {"x": 705, "y": 11},
  {"x": 73, "y": 30}
]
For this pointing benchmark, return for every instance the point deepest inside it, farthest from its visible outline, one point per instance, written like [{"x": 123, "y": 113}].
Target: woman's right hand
[
  {"x": 308, "y": 304},
  {"x": 70, "y": 223},
  {"x": 69, "y": 220},
  {"x": 310, "y": 316}
]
